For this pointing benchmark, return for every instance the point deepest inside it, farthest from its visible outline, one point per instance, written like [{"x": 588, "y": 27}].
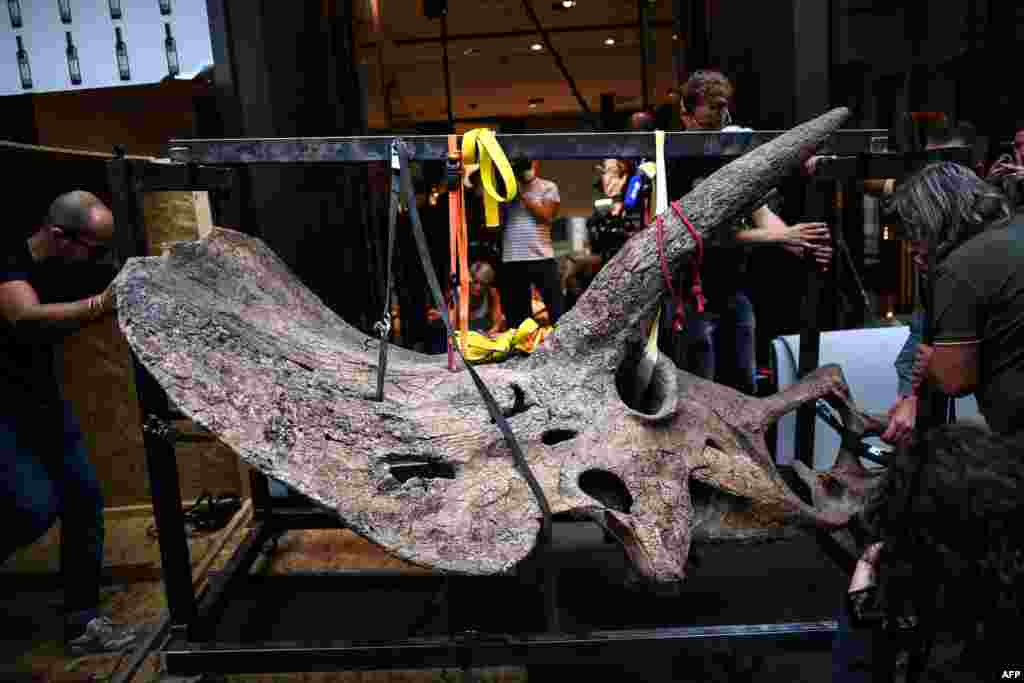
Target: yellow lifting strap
[
  {"x": 482, "y": 141},
  {"x": 645, "y": 368},
  {"x": 661, "y": 174}
]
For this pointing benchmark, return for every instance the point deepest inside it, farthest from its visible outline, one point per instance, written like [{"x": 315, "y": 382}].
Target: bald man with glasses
[{"x": 45, "y": 471}]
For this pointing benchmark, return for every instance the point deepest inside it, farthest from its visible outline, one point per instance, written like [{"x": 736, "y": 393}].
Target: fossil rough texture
[{"x": 247, "y": 351}]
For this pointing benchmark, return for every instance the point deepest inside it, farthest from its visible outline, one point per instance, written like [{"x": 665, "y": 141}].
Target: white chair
[{"x": 866, "y": 357}]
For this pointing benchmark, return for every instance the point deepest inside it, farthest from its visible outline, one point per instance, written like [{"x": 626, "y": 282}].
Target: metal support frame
[
  {"x": 191, "y": 647},
  {"x": 539, "y": 146},
  {"x": 447, "y": 70}
]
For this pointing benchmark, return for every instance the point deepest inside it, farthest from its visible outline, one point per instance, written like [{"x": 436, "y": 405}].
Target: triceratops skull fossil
[{"x": 247, "y": 351}]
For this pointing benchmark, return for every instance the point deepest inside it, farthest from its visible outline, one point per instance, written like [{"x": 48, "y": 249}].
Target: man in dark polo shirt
[
  {"x": 45, "y": 471},
  {"x": 979, "y": 289}
]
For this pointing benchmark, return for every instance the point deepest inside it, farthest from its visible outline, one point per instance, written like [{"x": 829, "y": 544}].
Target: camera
[{"x": 608, "y": 233}]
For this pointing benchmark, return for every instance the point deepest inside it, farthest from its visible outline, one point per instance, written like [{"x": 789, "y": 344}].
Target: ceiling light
[
  {"x": 609, "y": 41},
  {"x": 568, "y": 4},
  {"x": 536, "y": 47},
  {"x": 675, "y": 36}
]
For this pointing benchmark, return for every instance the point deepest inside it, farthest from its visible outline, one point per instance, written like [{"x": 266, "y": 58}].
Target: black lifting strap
[
  {"x": 399, "y": 153},
  {"x": 383, "y": 327}
]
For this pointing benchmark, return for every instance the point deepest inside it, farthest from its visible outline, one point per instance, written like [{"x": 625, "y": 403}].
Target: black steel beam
[
  {"x": 566, "y": 145},
  {"x": 283, "y": 518},
  {"x": 885, "y": 164},
  {"x": 152, "y": 642},
  {"x": 213, "y": 600},
  {"x": 176, "y": 177},
  {"x": 476, "y": 649}
]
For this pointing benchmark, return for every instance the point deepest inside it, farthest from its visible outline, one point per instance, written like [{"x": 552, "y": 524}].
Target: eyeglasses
[{"x": 96, "y": 251}]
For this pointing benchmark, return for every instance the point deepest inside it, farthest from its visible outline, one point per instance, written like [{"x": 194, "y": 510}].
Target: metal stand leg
[
  {"x": 549, "y": 588},
  {"x": 158, "y": 439},
  {"x": 158, "y": 436}
]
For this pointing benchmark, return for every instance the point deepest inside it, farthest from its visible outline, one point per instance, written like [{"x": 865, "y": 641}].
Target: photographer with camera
[
  {"x": 528, "y": 256},
  {"x": 622, "y": 194}
]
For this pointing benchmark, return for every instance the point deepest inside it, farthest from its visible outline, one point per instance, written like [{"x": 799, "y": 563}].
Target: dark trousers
[
  {"x": 852, "y": 650},
  {"x": 45, "y": 473},
  {"x": 716, "y": 345},
  {"x": 515, "y": 280}
]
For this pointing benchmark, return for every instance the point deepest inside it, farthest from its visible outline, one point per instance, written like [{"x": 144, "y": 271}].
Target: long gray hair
[{"x": 949, "y": 202}]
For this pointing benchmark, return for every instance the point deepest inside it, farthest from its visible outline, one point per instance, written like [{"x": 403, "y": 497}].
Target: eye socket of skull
[{"x": 658, "y": 401}]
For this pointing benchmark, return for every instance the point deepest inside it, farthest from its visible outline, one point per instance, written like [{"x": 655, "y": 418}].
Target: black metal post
[
  {"x": 810, "y": 335},
  {"x": 810, "y": 345},
  {"x": 836, "y": 228},
  {"x": 447, "y": 69},
  {"x": 643, "y": 19},
  {"x": 129, "y": 238},
  {"x": 681, "y": 38},
  {"x": 698, "y": 40},
  {"x": 158, "y": 439}
]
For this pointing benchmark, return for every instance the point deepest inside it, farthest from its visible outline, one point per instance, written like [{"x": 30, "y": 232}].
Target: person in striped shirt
[{"x": 528, "y": 256}]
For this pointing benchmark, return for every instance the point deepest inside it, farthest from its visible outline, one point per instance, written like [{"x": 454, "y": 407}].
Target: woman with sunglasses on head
[{"x": 45, "y": 471}]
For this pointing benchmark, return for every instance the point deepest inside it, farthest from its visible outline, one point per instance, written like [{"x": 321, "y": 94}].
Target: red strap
[{"x": 679, "y": 301}]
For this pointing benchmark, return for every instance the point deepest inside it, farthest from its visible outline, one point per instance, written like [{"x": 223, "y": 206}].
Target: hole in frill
[
  {"x": 710, "y": 504},
  {"x": 553, "y": 436},
  {"x": 406, "y": 467},
  {"x": 702, "y": 494},
  {"x": 643, "y": 388},
  {"x": 606, "y": 488},
  {"x": 519, "y": 405}
]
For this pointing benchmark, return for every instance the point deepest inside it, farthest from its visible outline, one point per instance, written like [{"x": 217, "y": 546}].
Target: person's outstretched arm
[
  {"x": 22, "y": 311},
  {"x": 770, "y": 229}
]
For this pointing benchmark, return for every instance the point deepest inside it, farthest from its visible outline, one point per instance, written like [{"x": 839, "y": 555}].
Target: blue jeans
[
  {"x": 45, "y": 473},
  {"x": 719, "y": 346}
]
